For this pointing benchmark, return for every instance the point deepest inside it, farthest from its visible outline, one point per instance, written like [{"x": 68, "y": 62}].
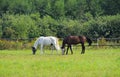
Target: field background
[{"x": 96, "y": 62}]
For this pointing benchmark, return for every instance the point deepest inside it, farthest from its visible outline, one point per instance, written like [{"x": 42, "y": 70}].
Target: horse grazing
[
  {"x": 42, "y": 41},
  {"x": 73, "y": 40}
]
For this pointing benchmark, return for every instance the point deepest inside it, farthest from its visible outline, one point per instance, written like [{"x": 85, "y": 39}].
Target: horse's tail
[
  {"x": 57, "y": 44},
  {"x": 89, "y": 41}
]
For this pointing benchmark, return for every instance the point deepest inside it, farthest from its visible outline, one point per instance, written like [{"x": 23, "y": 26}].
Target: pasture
[{"x": 96, "y": 62}]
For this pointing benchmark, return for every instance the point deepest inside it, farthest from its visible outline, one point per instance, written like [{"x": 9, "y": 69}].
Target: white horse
[{"x": 42, "y": 41}]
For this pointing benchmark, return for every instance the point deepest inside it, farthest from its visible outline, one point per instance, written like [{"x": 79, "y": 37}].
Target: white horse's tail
[{"x": 57, "y": 44}]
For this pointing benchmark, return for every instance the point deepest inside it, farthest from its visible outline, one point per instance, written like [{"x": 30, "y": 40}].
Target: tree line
[{"x": 34, "y": 18}]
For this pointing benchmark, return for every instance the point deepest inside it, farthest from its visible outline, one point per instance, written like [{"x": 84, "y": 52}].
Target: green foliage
[
  {"x": 107, "y": 26},
  {"x": 16, "y": 26},
  {"x": 20, "y": 6},
  {"x": 34, "y": 18},
  {"x": 74, "y": 9},
  {"x": 0, "y": 27},
  {"x": 110, "y": 7}
]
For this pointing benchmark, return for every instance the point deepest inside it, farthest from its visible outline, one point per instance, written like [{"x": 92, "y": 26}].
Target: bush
[
  {"x": 106, "y": 26},
  {"x": 7, "y": 44}
]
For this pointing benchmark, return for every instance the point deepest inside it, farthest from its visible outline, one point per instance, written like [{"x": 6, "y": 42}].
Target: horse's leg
[
  {"x": 83, "y": 48},
  {"x": 41, "y": 49},
  {"x": 52, "y": 47},
  {"x": 55, "y": 48},
  {"x": 71, "y": 49},
  {"x": 56, "y": 51},
  {"x": 67, "y": 49}
]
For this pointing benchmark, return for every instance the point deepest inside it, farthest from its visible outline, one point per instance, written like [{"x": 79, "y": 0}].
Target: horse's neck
[
  {"x": 63, "y": 45},
  {"x": 36, "y": 43}
]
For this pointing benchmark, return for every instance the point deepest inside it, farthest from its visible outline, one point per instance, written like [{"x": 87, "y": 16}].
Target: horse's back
[
  {"x": 54, "y": 39},
  {"x": 71, "y": 40},
  {"x": 47, "y": 40}
]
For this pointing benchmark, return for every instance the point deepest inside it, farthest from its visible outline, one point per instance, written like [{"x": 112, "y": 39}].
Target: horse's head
[
  {"x": 33, "y": 50},
  {"x": 89, "y": 41},
  {"x": 63, "y": 50}
]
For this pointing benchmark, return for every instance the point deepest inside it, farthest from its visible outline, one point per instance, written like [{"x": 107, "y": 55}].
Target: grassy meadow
[{"x": 96, "y": 62}]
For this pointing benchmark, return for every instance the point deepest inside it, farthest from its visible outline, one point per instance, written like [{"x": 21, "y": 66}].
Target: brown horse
[{"x": 72, "y": 40}]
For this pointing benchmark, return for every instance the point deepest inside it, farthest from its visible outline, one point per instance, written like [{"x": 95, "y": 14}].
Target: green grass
[{"x": 94, "y": 63}]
